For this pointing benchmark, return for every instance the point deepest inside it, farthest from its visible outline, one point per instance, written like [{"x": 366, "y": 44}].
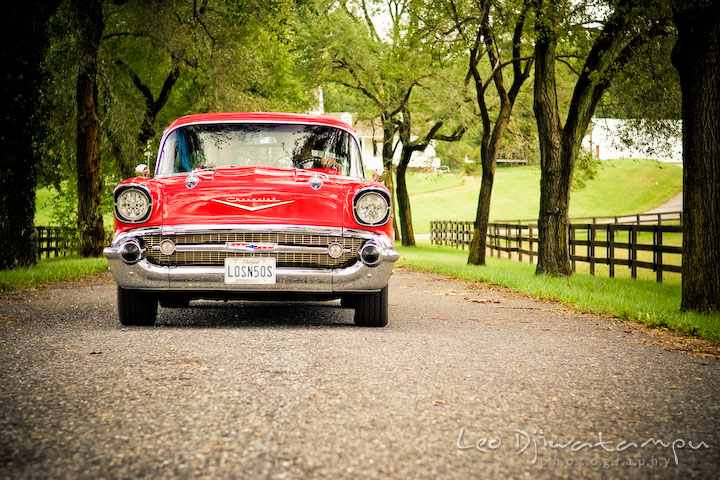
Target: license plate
[{"x": 250, "y": 270}]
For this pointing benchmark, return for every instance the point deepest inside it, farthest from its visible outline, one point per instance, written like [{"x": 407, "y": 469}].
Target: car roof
[{"x": 258, "y": 117}]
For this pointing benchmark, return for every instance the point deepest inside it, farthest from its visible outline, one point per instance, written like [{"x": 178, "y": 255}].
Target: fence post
[
  {"x": 519, "y": 242},
  {"x": 591, "y": 247},
  {"x": 659, "y": 253},
  {"x": 530, "y": 242},
  {"x": 633, "y": 251},
  {"x": 471, "y": 232},
  {"x": 496, "y": 240},
  {"x": 611, "y": 249},
  {"x": 572, "y": 246}
]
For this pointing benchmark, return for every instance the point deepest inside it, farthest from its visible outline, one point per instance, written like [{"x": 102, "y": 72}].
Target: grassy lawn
[
  {"x": 647, "y": 302},
  {"x": 620, "y": 187},
  {"x": 45, "y": 199},
  {"x": 44, "y": 207},
  {"x": 50, "y": 270},
  {"x": 422, "y": 183}
]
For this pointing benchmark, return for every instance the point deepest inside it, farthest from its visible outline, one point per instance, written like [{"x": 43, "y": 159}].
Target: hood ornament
[
  {"x": 316, "y": 182},
  {"x": 192, "y": 180}
]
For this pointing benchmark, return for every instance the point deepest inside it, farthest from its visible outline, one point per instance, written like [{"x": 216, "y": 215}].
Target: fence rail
[
  {"x": 613, "y": 243},
  {"x": 54, "y": 242},
  {"x": 636, "y": 218},
  {"x": 59, "y": 241}
]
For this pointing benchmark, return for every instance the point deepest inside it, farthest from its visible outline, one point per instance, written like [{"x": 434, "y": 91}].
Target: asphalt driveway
[{"x": 465, "y": 382}]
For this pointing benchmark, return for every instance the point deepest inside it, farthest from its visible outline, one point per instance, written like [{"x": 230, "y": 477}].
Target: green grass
[
  {"x": 620, "y": 187},
  {"x": 647, "y": 302},
  {"x": 45, "y": 201},
  {"x": 422, "y": 183},
  {"x": 44, "y": 207},
  {"x": 51, "y": 270}
]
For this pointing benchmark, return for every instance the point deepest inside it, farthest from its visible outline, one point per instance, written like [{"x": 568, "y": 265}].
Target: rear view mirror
[
  {"x": 379, "y": 175},
  {"x": 142, "y": 170}
]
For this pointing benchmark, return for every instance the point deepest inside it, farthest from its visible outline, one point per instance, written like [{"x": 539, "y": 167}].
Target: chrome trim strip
[
  {"x": 252, "y": 209},
  {"x": 267, "y": 248},
  {"x": 245, "y": 228},
  {"x": 135, "y": 232},
  {"x": 385, "y": 242}
]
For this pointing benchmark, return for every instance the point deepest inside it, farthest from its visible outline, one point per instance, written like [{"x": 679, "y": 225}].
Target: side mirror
[
  {"x": 142, "y": 170},
  {"x": 379, "y": 175}
]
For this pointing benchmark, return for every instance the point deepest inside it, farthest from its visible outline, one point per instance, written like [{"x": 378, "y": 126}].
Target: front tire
[
  {"x": 371, "y": 310},
  {"x": 347, "y": 302},
  {"x": 174, "y": 302},
  {"x": 136, "y": 307}
]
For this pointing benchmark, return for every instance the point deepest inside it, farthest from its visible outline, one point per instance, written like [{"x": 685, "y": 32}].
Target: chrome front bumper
[{"x": 356, "y": 278}]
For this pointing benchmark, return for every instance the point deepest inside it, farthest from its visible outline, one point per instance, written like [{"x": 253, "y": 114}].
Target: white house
[
  {"x": 603, "y": 140},
  {"x": 371, "y": 137}
]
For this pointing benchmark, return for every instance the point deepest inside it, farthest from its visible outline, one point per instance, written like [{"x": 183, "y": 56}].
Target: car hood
[{"x": 253, "y": 196}]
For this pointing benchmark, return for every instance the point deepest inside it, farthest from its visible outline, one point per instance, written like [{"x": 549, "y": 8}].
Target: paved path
[
  {"x": 675, "y": 204},
  {"x": 465, "y": 382}
]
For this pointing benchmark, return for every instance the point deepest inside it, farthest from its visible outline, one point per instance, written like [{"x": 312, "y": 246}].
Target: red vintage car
[{"x": 259, "y": 206}]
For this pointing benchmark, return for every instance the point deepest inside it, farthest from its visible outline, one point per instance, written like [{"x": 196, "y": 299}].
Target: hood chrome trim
[{"x": 249, "y": 208}]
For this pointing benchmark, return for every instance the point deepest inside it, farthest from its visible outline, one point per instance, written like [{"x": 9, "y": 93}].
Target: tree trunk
[
  {"x": 556, "y": 164},
  {"x": 387, "y": 153},
  {"x": 406, "y": 227},
  {"x": 87, "y": 155},
  {"x": 697, "y": 58},
  {"x": 553, "y": 220},
  {"x": 489, "y": 153},
  {"x": 478, "y": 245},
  {"x": 25, "y": 40}
]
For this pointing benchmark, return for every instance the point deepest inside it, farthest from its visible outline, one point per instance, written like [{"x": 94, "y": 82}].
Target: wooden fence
[
  {"x": 455, "y": 234},
  {"x": 54, "y": 242},
  {"x": 60, "y": 241},
  {"x": 637, "y": 245},
  {"x": 672, "y": 218}
]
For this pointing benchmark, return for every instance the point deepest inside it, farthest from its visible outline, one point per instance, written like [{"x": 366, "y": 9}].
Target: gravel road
[{"x": 465, "y": 382}]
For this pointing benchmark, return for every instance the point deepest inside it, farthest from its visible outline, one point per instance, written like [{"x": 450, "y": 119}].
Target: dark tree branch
[{"x": 371, "y": 27}]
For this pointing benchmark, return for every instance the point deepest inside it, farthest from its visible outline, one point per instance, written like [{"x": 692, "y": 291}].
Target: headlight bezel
[
  {"x": 144, "y": 191},
  {"x": 365, "y": 193}
]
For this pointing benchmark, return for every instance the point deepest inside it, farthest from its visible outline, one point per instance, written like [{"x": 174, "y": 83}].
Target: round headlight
[
  {"x": 133, "y": 205},
  {"x": 372, "y": 208}
]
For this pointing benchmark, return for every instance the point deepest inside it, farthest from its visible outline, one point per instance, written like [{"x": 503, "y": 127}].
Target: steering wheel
[{"x": 310, "y": 162}]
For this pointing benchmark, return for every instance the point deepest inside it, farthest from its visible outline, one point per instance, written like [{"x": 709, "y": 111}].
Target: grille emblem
[{"x": 253, "y": 247}]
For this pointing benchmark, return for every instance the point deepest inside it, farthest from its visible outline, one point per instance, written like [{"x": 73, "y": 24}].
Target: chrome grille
[{"x": 306, "y": 260}]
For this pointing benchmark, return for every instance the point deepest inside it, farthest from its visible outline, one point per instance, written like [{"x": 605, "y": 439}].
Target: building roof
[{"x": 364, "y": 128}]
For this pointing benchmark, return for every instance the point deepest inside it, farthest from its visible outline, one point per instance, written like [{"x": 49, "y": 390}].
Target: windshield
[{"x": 329, "y": 149}]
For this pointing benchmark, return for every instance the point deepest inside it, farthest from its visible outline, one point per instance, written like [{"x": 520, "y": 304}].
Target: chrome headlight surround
[
  {"x": 371, "y": 207},
  {"x": 133, "y": 203}
]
